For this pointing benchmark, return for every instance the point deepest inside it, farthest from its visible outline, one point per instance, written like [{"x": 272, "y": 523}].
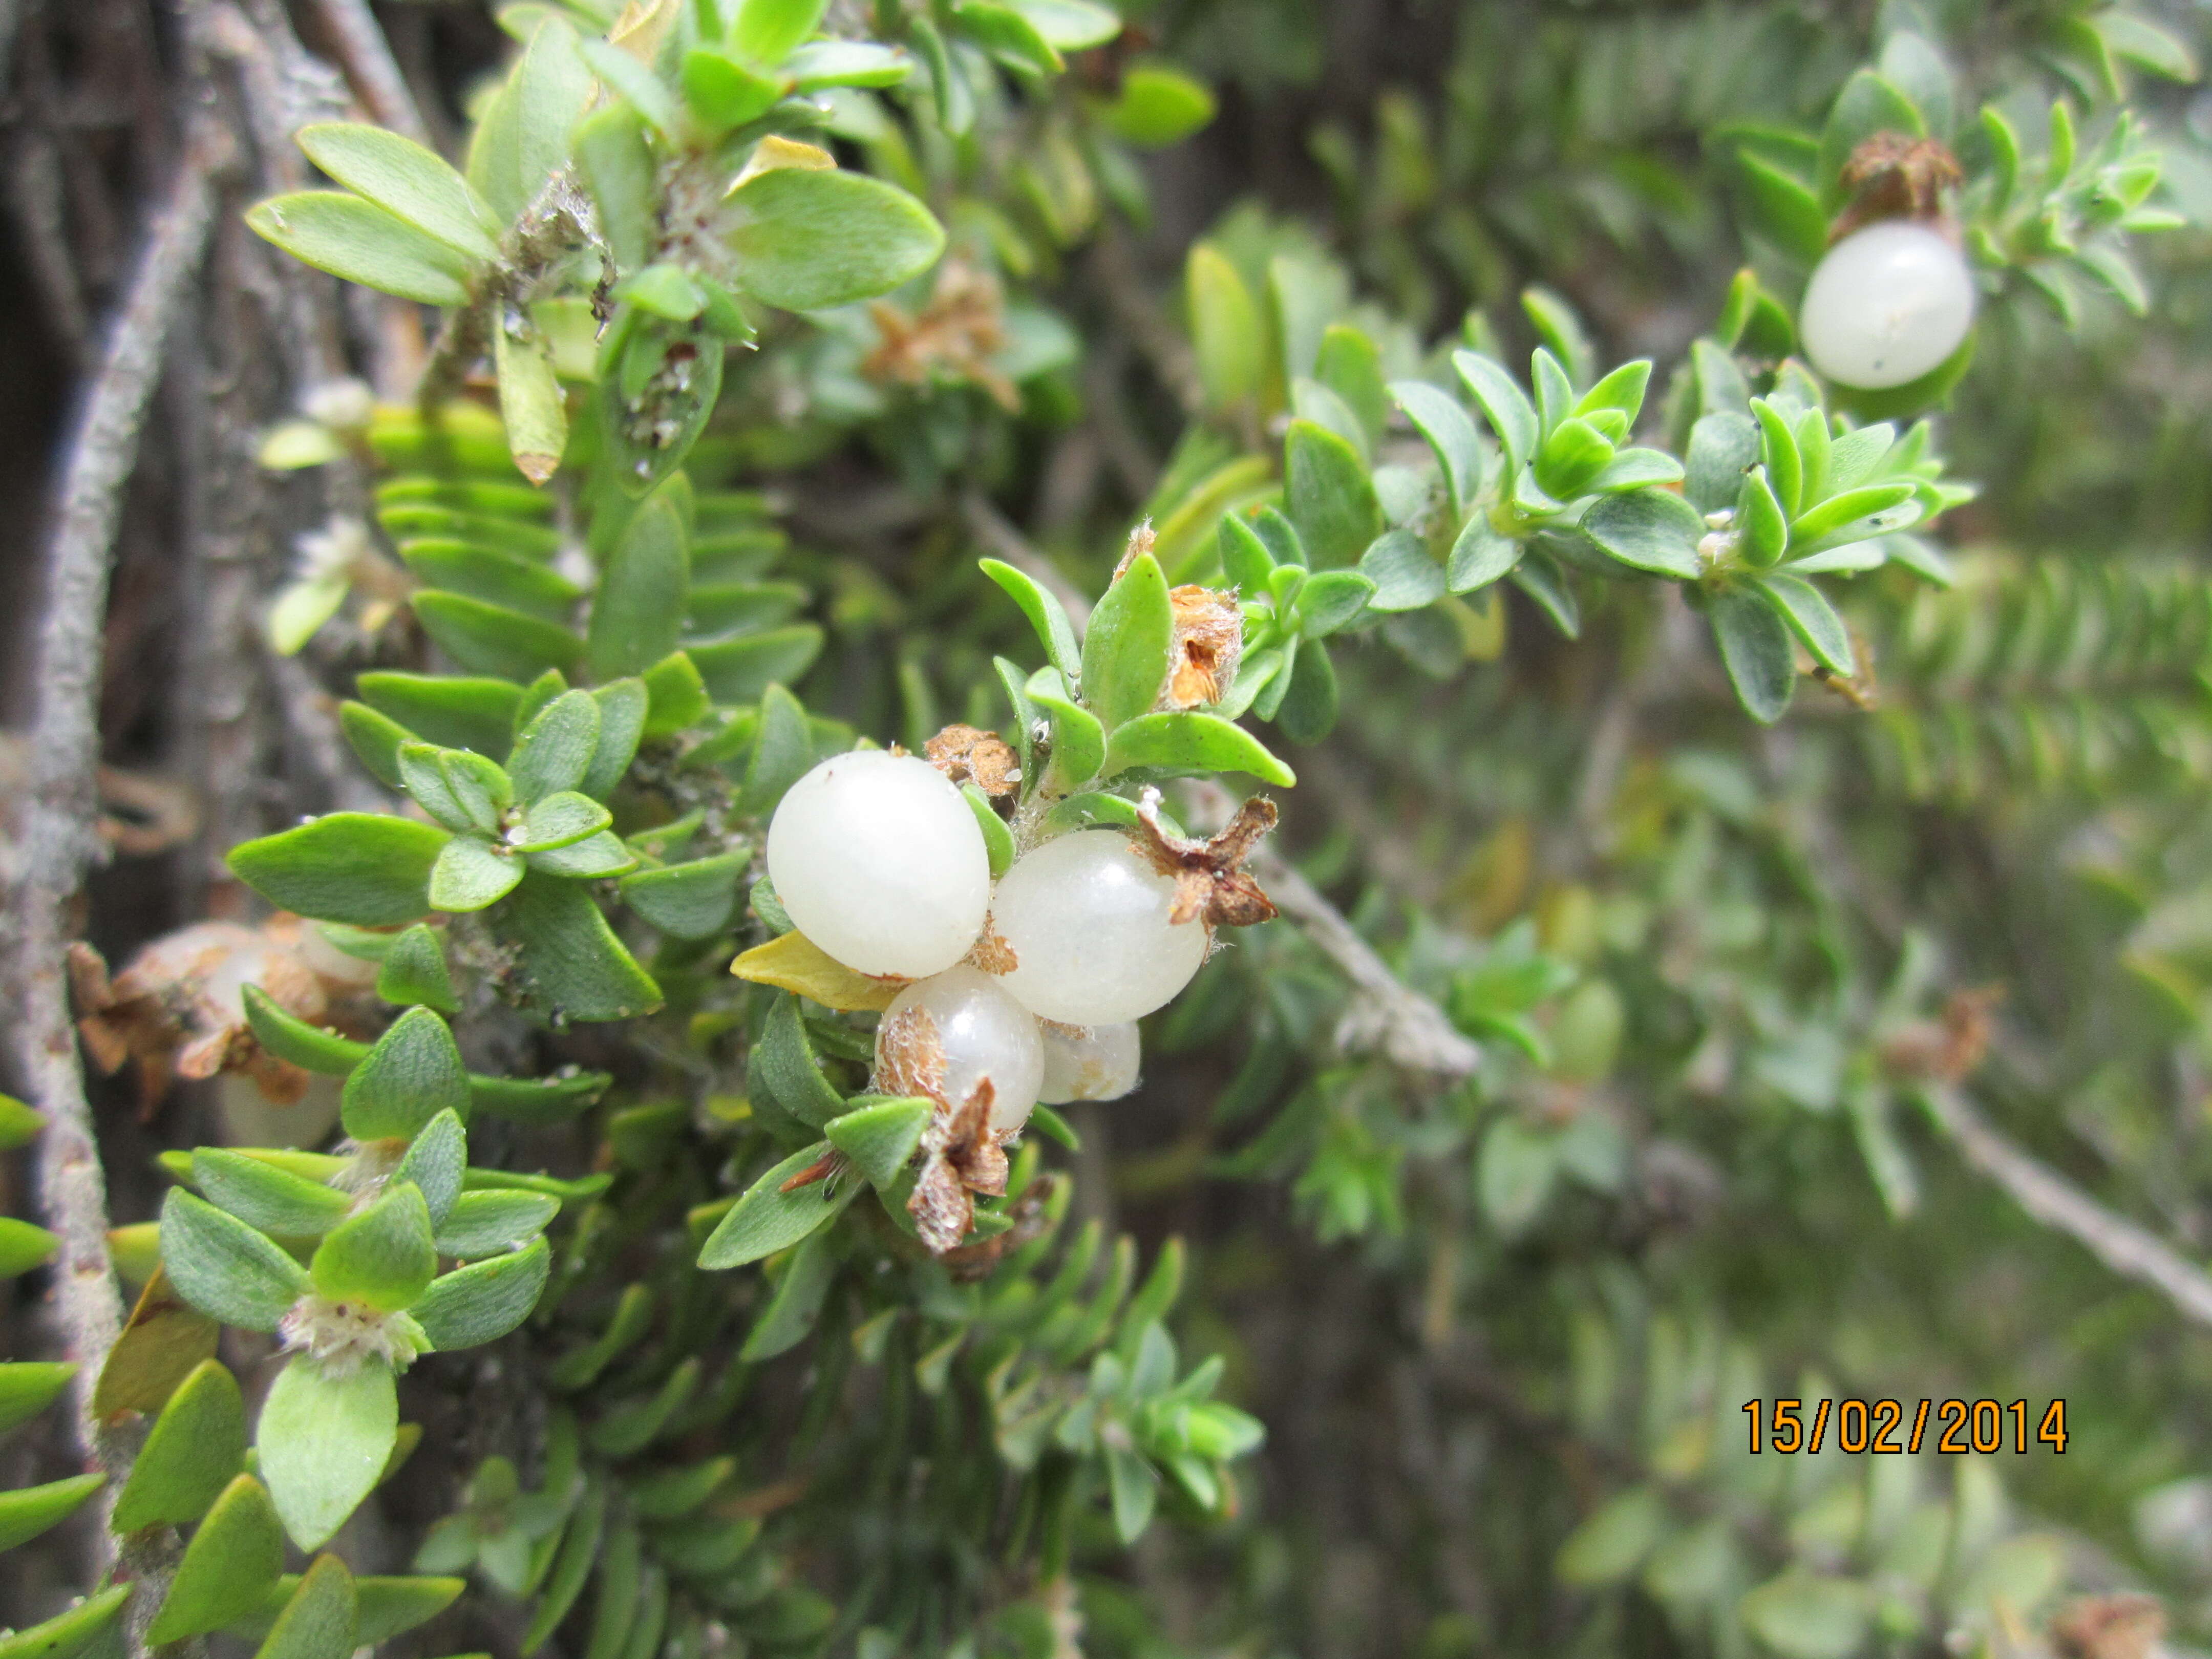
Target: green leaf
[
  {"x": 676, "y": 698},
  {"x": 19, "y": 1124},
  {"x": 533, "y": 407},
  {"x": 1785, "y": 209},
  {"x": 1046, "y": 615},
  {"x": 24, "y": 1246},
  {"x": 224, "y": 1267},
  {"x": 322, "y": 1442},
  {"x": 785, "y": 1063},
  {"x": 267, "y": 1198},
  {"x": 767, "y": 1219},
  {"x": 1652, "y": 529},
  {"x": 470, "y": 874},
  {"x": 766, "y": 31},
  {"x": 1185, "y": 744},
  {"x": 847, "y": 64},
  {"x": 27, "y": 1387},
  {"x": 493, "y": 1222},
  {"x": 740, "y": 670},
  {"x": 783, "y": 754},
  {"x": 423, "y": 778},
  {"x": 384, "y": 1256},
  {"x": 1226, "y": 328},
  {"x": 362, "y": 242},
  {"x": 569, "y": 962},
  {"x": 1330, "y": 498},
  {"x": 355, "y": 867},
  {"x": 1480, "y": 556},
  {"x": 414, "y": 971},
  {"x": 1070, "y": 24},
  {"x": 1134, "y": 1489},
  {"x": 1307, "y": 711},
  {"x": 601, "y": 855},
  {"x": 1754, "y": 646},
  {"x": 1125, "y": 651},
  {"x": 1786, "y": 468},
  {"x": 615, "y": 158},
  {"x": 528, "y": 1100},
  {"x": 1008, "y": 37},
  {"x": 193, "y": 1449},
  {"x": 1330, "y": 599},
  {"x": 453, "y": 710},
  {"x": 232, "y": 1561},
  {"x": 880, "y": 1137},
  {"x": 998, "y": 839},
  {"x": 1571, "y": 457},
  {"x": 688, "y": 901},
  {"x": 806, "y": 240},
  {"x": 555, "y": 749},
  {"x": 29, "y": 1510},
  {"x": 69, "y": 1633},
  {"x": 1438, "y": 416},
  {"x": 1507, "y": 407},
  {"x": 1810, "y": 618},
  {"x": 1856, "y": 515},
  {"x": 494, "y": 639},
  {"x": 579, "y": 1547},
  {"x": 413, "y": 1073},
  {"x": 797, "y": 1303},
  {"x": 1611, "y": 1543},
  {"x": 1159, "y": 106},
  {"x": 1514, "y": 1178},
  {"x": 402, "y": 177},
  {"x": 639, "y": 608},
  {"x": 1078, "y": 741},
  {"x": 1723, "y": 449},
  {"x": 562, "y": 819},
  {"x": 485, "y": 1300},
  {"x": 1765, "y": 532},
  {"x": 1803, "y": 1617},
  {"x": 724, "y": 92},
  {"x": 437, "y": 1163},
  {"x": 321, "y": 1619}
]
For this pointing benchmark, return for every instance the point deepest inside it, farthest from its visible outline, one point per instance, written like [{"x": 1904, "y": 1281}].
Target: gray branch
[
  {"x": 59, "y": 837},
  {"x": 367, "y": 57},
  {"x": 2117, "y": 1242}
]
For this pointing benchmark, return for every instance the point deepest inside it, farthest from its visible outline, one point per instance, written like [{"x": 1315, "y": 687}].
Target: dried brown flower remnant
[
  {"x": 1894, "y": 175},
  {"x": 956, "y": 335},
  {"x": 1205, "y": 648},
  {"x": 909, "y": 1055},
  {"x": 178, "y": 1010},
  {"x": 1028, "y": 1219},
  {"x": 991, "y": 953},
  {"x": 1140, "y": 543},
  {"x": 967, "y": 754},
  {"x": 960, "y": 1158},
  {"x": 1951, "y": 1050},
  {"x": 1210, "y": 879},
  {"x": 2126, "y": 1627}
]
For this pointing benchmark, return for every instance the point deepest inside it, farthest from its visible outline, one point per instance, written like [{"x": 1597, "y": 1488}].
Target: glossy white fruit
[
  {"x": 980, "y": 1031},
  {"x": 879, "y": 860},
  {"x": 1888, "y": 304},
  {"x": 1086, "y": 919},
  {"x": 1089, "y": 1062}
]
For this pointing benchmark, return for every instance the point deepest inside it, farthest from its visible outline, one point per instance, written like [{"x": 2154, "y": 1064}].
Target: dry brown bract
[
  {"x": 176, "y": 1008},
  {"x": 1028, "y": 1219},
  {"x": 960, "y": 1156},
  {"x": 956, "y": 335},
  {"x": 1952, "y": 1049},
  {"x": 1204, "y": 649},
  {"x": 967, "y": 754},
  {"x": 2126, "y": 1627},
  {"x": 1210, "y": 879},
  {"x": 991, "y": 953},
  {"x": 1892, "y": 176}
]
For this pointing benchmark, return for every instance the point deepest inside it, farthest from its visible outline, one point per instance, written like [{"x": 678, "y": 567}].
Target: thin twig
[
  {"x": 365, "y": 56},
  {"x": 2117, "y": 1242},
  {"x": 60, "y": 838},
  {"x": 1409, "y": 1029}
]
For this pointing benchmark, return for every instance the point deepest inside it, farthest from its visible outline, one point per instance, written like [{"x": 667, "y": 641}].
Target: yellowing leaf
[
  {"x": 795, "y": 964},
  {"x": 774, "y": 152}
]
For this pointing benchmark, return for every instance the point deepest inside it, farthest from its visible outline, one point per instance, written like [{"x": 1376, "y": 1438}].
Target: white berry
[
  {"x": 945, "y": 1034},
  {"x": 1088, "y": 1062},
  {"x": 1086, "y": 918},
  {"x": 879, "y": 860},
  {"x": 1888, "y": 304}
]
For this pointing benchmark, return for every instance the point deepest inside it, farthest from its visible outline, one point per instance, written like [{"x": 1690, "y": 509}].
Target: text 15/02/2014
[{"x": 1962, "y": 1426}]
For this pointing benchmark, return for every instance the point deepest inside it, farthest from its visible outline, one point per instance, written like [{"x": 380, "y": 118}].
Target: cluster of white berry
[{"x": 878, "y": 860}]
